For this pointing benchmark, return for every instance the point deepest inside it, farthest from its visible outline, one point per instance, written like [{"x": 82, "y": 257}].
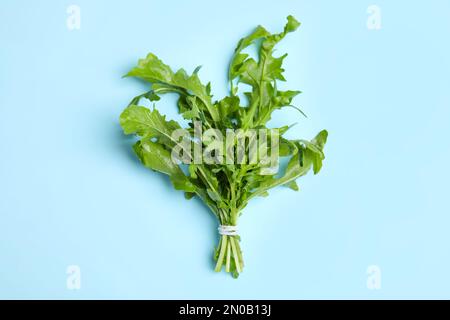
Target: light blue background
[{"x": 72, "y": 192}]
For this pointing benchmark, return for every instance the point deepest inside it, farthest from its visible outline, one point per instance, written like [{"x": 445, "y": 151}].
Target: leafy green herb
[{"x": 225, "y": 187}]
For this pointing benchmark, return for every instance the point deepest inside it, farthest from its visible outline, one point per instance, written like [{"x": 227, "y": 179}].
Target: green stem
[
  {"x": 239, "y": 251},
  {"x": 227, "y": 265},
  {"x": 223, "y": 244},
  {"x": 235, "y": 255},
  {"x": 229, "y": 251}
]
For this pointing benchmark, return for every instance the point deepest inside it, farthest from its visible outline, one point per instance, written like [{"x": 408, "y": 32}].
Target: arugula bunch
[{"x": 225, "y": 188}]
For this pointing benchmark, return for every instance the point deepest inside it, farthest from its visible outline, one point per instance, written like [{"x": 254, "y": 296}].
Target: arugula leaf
[
  {"x": 154, "y": 156},
  {"x": 153, "y": 70},
  {"x": 149, "y": 124},
  {"x": 299, "y": 165}
]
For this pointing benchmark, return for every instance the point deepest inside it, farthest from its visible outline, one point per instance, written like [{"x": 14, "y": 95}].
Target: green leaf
[
  {"x": 154, "y": 156},
  {"x": 262, "y": 74},
  {"x": 292, "y": 185},
  {"x": 320, "y": 139},
  {"x": 213, "y": 195},
  {"x": 228, "y": 108},
  {"x": 189, "y": 195},
  {"x": 149, "y": 124},
  {"x": 314, "y": 149},
  {"x": 238, "y": 57},
  {"x": 300, "y": 163},
  {"x": 153, "y": 70},
  {"x": 294, "y": 170}
]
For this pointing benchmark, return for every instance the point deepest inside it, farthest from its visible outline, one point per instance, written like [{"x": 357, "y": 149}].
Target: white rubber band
[{"x": 228, "y": 230}]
